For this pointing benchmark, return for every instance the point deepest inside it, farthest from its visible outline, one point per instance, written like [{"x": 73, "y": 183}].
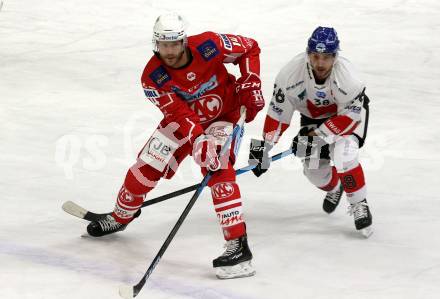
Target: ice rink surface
[{"x": 73, "y": 116}]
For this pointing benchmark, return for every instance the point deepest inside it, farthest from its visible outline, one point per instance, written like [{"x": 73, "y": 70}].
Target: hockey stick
[
  {"x": 78, "y": 211},
  {"x": 132, "y": 291}
]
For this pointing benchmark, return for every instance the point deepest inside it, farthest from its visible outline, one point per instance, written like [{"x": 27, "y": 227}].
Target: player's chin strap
[{"x": 132, "y": 291}]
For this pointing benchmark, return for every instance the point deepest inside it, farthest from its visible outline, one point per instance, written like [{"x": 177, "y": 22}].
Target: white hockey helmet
[{"x": 169, "y": 27}]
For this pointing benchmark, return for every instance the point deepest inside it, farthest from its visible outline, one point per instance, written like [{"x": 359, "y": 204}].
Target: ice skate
[
  {"x": 362, "y": 217},
  {"x": 332, "y": 200},
  {"x": 107, "y": 225},
  {"x": 235, "y": 262}
]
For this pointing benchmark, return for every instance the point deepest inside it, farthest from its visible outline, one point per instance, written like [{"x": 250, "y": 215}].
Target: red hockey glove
[
  {"x": 205, "y": 152},
  {"x": 248, "y": 88}
]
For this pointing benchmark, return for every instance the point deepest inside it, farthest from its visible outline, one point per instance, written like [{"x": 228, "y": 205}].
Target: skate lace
[
  {"x": 109, "y": 223},
  {"x": 359, "y": 210},
  {"x": 231, "y": 247},
  {"x": 333, "y": 197}
]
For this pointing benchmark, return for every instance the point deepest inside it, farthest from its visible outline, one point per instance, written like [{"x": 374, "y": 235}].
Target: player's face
[
  {"x": 322, "y": 64},
  {"x": 171, "y": 53}
]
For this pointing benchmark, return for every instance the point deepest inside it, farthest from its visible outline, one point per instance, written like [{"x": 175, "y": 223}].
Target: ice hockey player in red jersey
[
  {"x": 325, "y": 89},
  {"x": 187, "y": 80}
]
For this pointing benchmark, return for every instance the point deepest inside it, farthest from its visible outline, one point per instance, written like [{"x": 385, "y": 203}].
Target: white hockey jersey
[{"x": 338, "y": 100}]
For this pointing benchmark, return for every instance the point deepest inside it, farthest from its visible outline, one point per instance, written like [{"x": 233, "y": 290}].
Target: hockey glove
[
  {"x": 305, "y": 146},
  {"x": 259, "y": 156},
  {"x": 249, "y": 93},
  {"x": 205, "y": 152}
]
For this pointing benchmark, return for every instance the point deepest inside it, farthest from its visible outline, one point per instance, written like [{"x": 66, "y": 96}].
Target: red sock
[{"x": 227, "y": 204}]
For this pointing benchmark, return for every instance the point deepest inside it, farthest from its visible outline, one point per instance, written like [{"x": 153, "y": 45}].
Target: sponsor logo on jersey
[
  {"x": 191, "y": 76},
  {"x": 321, "y": 94},
  {"x": 207, "y": 107},
  {"x": 302, "y": 95},
  {"x": 222, "y": 190},
  {"x": 158, "y": 151},
  {"x": 334, "y": 128},
  {"x": 354, "y": 109},
  {"x": 276, "y": 109},
  {"x": 151, "y": 93},
  {"x": 160, "y": 76},
  {"x": 295, "y": 85},
  {"x": 208, "y": 50},
  {"x": 207, "y": 86},
  {"x": 226, "y": 42}
]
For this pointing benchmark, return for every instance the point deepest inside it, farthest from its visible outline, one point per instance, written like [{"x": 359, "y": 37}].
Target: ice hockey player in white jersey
[{"x": 325, "y": 89}]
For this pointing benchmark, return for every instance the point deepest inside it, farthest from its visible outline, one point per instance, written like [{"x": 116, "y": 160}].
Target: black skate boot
[
  {"x": 107, "y": 225},
  {"x": 235, "y": 262},
  {"x": 332, "y": 199},
  {"x": 362, "y": 217}
]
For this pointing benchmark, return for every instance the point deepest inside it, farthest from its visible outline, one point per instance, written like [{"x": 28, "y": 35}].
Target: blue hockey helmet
[{"x": 323, "y": 40}]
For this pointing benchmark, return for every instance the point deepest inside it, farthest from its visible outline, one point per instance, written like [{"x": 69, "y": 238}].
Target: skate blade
[
  {"x": 367, "y": 232},
  {"x": 244, "y": 269}
]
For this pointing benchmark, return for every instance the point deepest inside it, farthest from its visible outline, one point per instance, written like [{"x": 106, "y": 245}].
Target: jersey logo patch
[
  {"x": 321, "y": 94},
  {"x": 158, "y": 151},
  {"x": 276, "y": 109},
  {"x": 207, "y": 107},
  {"x": 226, "y": 42},
  {"x": 302, "y": 95},
  {"x": 206, "y": 86},
  {"x": 151, "y": 93},
  {"x": 191, "y": 76},
  {"x": 208, "y": 50},
  {"x": 160, "y": 76}
]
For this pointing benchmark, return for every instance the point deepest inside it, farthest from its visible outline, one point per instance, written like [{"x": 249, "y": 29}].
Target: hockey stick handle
[
  {"x": 195, "y": 186},
  {"x": 137, "y": 288}
]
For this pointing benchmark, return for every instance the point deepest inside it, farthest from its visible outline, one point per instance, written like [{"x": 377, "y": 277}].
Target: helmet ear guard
[
  {"x": 323, "y": 40},
  {"x": 169, "y": 27}
]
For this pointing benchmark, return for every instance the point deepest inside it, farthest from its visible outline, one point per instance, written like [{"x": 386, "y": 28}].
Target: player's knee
[
  {"x": 222, "y": 175},
  {"x": 318, "y": 177},
  {"x": 140, "y": 180},
  {"x": 346, "y": 154}
]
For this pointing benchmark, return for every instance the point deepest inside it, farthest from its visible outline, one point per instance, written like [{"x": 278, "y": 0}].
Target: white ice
[{"x": 73, "y": 116}]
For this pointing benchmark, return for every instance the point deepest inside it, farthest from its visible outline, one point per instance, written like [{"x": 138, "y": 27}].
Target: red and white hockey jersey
[
  {"x": 202, "y": 91},
  {"x": 338, "y": 100}
]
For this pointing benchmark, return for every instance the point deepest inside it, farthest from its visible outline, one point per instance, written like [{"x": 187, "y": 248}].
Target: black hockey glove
[
  {"x": 259, "y": 156},
  {"x": 304, "y": 146}
]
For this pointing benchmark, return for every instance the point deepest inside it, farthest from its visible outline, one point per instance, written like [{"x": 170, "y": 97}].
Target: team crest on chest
[{"x": 207, "y": 107}]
